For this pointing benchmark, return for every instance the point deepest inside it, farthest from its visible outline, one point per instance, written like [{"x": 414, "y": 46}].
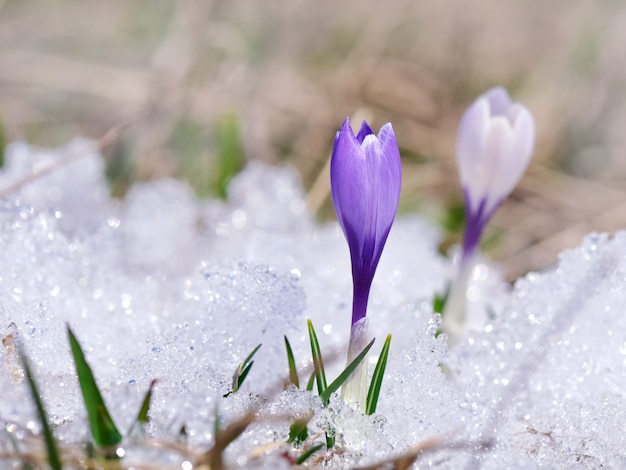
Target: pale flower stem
[
  {"x": 454, "y": 314},
  {"x": 354, "y": 390}
]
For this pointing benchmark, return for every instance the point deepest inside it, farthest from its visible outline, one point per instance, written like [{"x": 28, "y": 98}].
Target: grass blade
[
  {"x": 243, "y": 375},
  {"x": 51, "y": 448},
  {"x": 230, "y": 153},
  {"x": 293, "y": 371},
  {"x": 105, "y": 433},
  {"x": 338, "y": 382},
  {"x": 298, "y": 432},
  {"x": 242, "y": 371},
  {"x": 318, "y": 363},
  {"x": 143, "y": 417},
  {"x": 311, "y": 382},
  {"x": 306, "y": 454},
  {"x": 440, "y": 300},
  {"x": 377, "y": 378},
  {"x": 330, "y": 440}
]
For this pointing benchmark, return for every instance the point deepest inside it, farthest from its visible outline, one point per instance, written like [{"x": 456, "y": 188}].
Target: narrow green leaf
[
  {"x": 103, "y": 429},
  {"x": 293, "y": 371},
  {"x": 230, "y": 154},
  {"x": 330, "y": 440},
  {"x": 338, "y": 382},
  {"x": 251, "y": 355},
  {"x": 143, "y": 415},
  {"x": 318, "y": 363},
  {"x": 244, "y": 374},
  {"x": 298, "y": 432},
  {"x": 51, "y": 448},
  {"x": 242, "y": 371},
  {"x": 439, "y": 302},
  {"x": 377, "y": 379},
  {"x": 311, "y": 382},
  {"x": 306, "y": 454}
]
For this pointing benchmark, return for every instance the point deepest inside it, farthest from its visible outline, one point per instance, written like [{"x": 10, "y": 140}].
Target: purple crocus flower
[
  {"x": 365, "y": 179},
  {"x": 495, "y": 141}
]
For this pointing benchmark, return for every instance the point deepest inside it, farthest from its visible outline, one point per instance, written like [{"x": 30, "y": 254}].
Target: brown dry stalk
[{"x": 107, "y": 139}]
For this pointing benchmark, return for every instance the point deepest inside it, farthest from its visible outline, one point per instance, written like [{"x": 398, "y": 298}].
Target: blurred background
[{"x": 199, "y": 87}]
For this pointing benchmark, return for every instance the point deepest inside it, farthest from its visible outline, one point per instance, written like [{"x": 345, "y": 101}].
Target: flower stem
[
  {"x": 354, "y": 391},
  {"x": 453, "y": 317}
]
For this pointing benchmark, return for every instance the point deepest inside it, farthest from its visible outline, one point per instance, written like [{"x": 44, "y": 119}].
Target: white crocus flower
[{"x": 495, "y": 141}]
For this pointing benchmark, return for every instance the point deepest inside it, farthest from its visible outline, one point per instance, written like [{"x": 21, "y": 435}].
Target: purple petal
[
  {"x": 364, "y": 132},
  {"x": 389, "y": 173},
  {"x": 347, "y": 179}
]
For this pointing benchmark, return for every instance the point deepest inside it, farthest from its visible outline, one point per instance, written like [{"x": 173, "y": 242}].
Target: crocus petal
[
  {"x": 363, "y": 132},
  {"x": 499, "y": 142},
  {"x": 470, "y": 142},
  {"x": 390, "y": 177},
  {"x": 522, "y": 147},
  {"x": 499, "y": 101},
  {"x": 348, "y": 178}
]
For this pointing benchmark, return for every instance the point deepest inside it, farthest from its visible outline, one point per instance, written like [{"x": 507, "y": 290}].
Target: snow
[{"x": 165, "y": 286}]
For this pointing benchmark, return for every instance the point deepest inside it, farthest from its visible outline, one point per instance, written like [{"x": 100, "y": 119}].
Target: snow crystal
[{"x": 165, "y": 286}]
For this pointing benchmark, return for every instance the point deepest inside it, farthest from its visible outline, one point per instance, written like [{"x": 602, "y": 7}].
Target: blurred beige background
[{"x": 282, "y": 75}]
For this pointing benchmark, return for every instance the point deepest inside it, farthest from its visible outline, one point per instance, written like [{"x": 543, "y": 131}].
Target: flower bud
[
  {"x": 365, "y": 178},
  {"x": 494, "y": 145}
]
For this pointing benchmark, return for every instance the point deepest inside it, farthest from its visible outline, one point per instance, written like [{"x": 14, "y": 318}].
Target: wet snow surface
[{"x": 166, "y": 286}]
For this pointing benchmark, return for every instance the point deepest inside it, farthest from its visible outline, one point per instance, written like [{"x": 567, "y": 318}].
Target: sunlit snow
[{"x": 166, "y": 286}]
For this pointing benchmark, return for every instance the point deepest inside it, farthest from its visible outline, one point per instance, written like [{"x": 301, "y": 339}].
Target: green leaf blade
[
  {"x": 230, "y": 153},
  {"x": 440, "y": 300},
  {"x": 242, "y": 370},
  {"x": 318, "y": 363},
  {"x": 51, "y": 448},
  {"x": 306, "y": 454},
  {"x": 311, "y": 382},
  {"x": 298, "y": 431},
  {"x": 143, "y": 415},
  {"x": 339, "y": 381},
  {"x": 103, "y": 429},
  {"x": 293, "y": 371},
  {"x": 377, "y": 378}
]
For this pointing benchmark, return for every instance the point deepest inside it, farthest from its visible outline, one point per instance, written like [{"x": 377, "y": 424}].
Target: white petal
[
  {"x": 520, "y": 152},
  {"x": 471, "y": 139},
  {"x": 499, "y": 101},
  {"x": 495, "y": 166}
]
